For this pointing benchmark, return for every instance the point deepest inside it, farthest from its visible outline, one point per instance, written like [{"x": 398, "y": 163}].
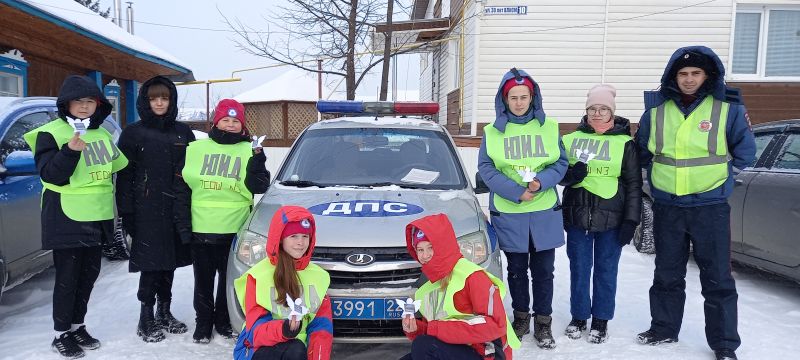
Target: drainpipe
[
  {"x": 118, "y": 12},
  {"x": 130, "y": 17}
]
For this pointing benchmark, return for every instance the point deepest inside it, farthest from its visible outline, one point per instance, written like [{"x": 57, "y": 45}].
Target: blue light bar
[
  {"x": 340, "y": 107},
  {"x": 377, "y": 107}
]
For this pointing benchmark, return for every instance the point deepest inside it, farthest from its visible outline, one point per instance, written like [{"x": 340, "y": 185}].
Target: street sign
[{"x": 505, "y": 10}]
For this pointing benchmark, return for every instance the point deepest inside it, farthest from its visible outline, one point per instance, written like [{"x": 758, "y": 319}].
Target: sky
[{"x": 215, "y": 55}]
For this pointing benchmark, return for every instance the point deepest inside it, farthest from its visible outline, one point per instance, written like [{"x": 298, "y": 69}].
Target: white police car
[{"x": 365, "y": 179}]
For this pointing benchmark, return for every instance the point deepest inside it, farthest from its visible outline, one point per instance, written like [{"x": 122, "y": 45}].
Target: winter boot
[
  {"x": 202, "y": 332},
  {"x": 84, "y": 340},
  {"x": 225, "y": 330},
  {"x": 148, "y": 330},
  {"x": 650, "y": 337},
  {"x": 599, "y": 332},
  {"x": 66, "y": 346},
  {"x": 522, "y": 323},
  {"x": 575, "y": 329},
  {"x": 166, "y": 321},
  {"x": 725, "y": 354},
  {"x": 543, "y": 333},
  {"x": 117, "y": 249}
]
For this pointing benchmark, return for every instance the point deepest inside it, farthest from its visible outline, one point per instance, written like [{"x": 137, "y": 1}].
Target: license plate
[{"x": 366, "y": 308}]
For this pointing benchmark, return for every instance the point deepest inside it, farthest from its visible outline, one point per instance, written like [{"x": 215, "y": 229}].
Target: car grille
[
  {"x": 364, "y": 279},
  {"x": 338, "y": 254},
  {"x": 368, "y": 328}
]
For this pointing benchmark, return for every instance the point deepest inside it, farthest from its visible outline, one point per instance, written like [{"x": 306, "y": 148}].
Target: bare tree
[
  {"x": 95, "y": 6},
  {"x": 337, "y": 31}
]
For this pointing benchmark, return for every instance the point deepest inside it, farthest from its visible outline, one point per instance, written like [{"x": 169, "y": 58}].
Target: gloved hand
[
  {"x": 626, "y": 231},
  {"x": 129, "y": 224},
  {"x": 287, "y": 330},
  {"x": 579, "y": 171}
]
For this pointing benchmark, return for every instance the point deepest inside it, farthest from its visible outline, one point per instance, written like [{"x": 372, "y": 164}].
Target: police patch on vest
[{"x": 705, "y": 126}]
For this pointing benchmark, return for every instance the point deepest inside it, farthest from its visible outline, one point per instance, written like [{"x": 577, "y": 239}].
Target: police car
[{"x": 365, "y": 178}]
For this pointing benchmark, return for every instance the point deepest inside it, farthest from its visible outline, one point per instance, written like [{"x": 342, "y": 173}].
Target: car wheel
[{"x": 643, "y": 237}]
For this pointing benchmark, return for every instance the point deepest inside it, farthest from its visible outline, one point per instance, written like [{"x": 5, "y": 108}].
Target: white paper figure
[
  {"x": 584, "y": 156},
  {"x": 410, "y": 307},
  {"x": 527, "y": 174},
  {"x": 296, "y": 307},
  {"x": 79, "y": 125},
  {"x": 258, "y": 140}
]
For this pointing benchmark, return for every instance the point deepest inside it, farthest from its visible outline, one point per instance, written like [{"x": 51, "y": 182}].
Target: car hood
[{"x": 368, "y": 217}]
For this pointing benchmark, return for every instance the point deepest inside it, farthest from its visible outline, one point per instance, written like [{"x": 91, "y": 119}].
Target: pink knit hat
[{"x": 602, "y": 94}]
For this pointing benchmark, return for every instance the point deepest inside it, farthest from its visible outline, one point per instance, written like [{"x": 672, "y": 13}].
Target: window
[
  {"x": 10, "y": 85},
  {"x": 790, "y": 154},
  {"x": 13, "y": 141},
  {"x": 762, "y": 140},
  {"x": 766, "y": 43}
]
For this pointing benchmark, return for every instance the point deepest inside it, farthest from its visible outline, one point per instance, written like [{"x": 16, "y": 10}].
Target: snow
[
  {"x": 78, "y": 15},
  {"x": 768, "y": 319},
  {"x": 292, "y": 85}
]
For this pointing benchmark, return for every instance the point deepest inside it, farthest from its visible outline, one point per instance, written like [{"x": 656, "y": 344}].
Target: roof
[
  {"x": 292, "y": 85},
  {"x": 77, "y": 18}
]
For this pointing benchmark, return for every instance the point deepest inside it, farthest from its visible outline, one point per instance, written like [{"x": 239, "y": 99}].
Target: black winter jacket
[
  {"x": 56, "y": 166},
  {"x": 155, "y": 147},
  {"x": 256, "y": 180},
  {"x": 587, "y": 211}
]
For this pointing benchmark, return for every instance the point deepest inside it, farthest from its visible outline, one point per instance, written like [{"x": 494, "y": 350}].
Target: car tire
[{"x": 643, "y": 238}]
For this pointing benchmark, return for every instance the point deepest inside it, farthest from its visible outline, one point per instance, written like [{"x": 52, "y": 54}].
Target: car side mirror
[
  {"x": 20, "y": 163},
  {"x": 480, "y": 186}
]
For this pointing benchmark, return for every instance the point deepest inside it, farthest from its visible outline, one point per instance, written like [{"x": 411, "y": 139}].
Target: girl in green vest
[
  {"x": 461, "y": 305},
  {"x": 76, "y": 166},
  {"x": 602, "y": 203},
  {"x": 214, "y": 198},
  {"x": 270, "y": 331}
]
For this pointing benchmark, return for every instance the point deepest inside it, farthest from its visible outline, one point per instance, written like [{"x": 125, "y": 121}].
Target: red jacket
[
  {"x": 474, "y": 298},
  {"x": 270, "y": 333}
]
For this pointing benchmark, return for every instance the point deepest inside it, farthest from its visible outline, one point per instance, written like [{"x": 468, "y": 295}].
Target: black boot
[
  {"x": 225, "y": 330},
  {"x": 202, "y": 332},
  {"x": 521, "y": 324},
  {"x": 650, "y": 337},
  {"x": 66, "y": 346},
  {"x": 575, "y": 329},
  {"x": 148, "y": 330},
  {"x": 725, "y": 354},
  {"x": 84, "y": 340},
  {"x": 543, "y": 333},
  {"x": 166, "y": 321},
  {"x": 599, "y": 332}
]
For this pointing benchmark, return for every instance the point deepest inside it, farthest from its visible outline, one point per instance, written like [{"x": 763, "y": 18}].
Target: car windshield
[{"x": 373, "y": 157}]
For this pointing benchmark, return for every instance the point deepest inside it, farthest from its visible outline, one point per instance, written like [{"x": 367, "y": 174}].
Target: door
[
  {"x": 20, "y": 212},
  {"x": 772, "y": 207}
]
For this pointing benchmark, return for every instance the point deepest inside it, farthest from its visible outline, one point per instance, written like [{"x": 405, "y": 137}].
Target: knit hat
[
  {"x": 296, "y": 227},
  {"x": 418, "y": 237},
  {"x": 229, "y": 108},
  {"x": 694, "y": 59},
  {"x": 510, "y": 83},
  {"x": 602, "y": 94}
]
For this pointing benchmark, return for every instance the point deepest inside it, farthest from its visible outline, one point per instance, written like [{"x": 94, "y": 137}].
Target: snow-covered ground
[{"x": 769, "y": 320}]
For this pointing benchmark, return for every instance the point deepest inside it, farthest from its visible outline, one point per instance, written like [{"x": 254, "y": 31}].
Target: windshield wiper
[{"x": 301, "y": 183}]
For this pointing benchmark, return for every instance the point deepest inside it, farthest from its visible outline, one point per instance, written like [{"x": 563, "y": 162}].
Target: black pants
[
  {"x": 152, "y": 283},
  {"x": 426, "y": 347},
  {"x": 708, "y": 228},
  {"x": 541, "y": 265},
  {"x": 208, "y": 261},
  {"x": 291, "y": 350},
  {"x": 76, "y": 271}
]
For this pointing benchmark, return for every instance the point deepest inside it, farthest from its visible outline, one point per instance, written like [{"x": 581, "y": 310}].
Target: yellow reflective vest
[{"x": 605, "y": 167}]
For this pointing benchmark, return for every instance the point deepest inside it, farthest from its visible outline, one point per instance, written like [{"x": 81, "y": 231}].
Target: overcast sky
[{"x": 215, "y": 55}]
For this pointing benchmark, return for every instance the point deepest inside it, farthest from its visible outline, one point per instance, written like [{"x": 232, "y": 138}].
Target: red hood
[
  {"x": 283, "y": 216},
  {"x": 439, "y": 231}
]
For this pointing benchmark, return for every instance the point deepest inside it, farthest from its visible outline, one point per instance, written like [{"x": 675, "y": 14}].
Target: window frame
[
  {"x": 763, "y": 36},
  {"x": 18, "y": 116}
]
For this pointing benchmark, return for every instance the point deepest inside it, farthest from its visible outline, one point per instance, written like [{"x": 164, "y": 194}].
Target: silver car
[
  {"x": 364, "y": 179},
  {"x": 765, "y": 204}
]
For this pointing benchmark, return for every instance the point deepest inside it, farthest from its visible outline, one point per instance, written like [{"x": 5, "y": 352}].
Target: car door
[
  {"x": 20, "y": 211},
  {"x": 772, "y": 205}
]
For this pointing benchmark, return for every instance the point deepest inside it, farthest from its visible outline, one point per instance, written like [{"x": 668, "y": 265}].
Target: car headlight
[
  {"x": 251, "y": 247},
  {"x": 473, "y": 247}
]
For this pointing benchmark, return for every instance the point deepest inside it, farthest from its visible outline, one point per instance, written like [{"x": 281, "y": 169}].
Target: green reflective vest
[
  {"x": 89, "y": 196},
  {"x": 690, "y": 154},
  {"x": 436, "y": 305},
  {"x": 215, "y": 173},
  {"x": 314, "y": 282},
  {"x": 605, "y": 168},
  {"x": 531, "y": 146}
]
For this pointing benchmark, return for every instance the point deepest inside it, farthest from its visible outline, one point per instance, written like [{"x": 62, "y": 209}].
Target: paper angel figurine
[
  {"x": 584, "y": 156},
  {"x": 79, "y": 125},
  {"x": 527, "y": 174},
  {"x": 410, "y": 307},
  {"x": 296, "y": 307},
  {"x": 258, "y": 140}
]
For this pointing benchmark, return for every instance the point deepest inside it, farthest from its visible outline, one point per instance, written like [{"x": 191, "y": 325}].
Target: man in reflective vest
[{"x": 693, "y": 134}]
